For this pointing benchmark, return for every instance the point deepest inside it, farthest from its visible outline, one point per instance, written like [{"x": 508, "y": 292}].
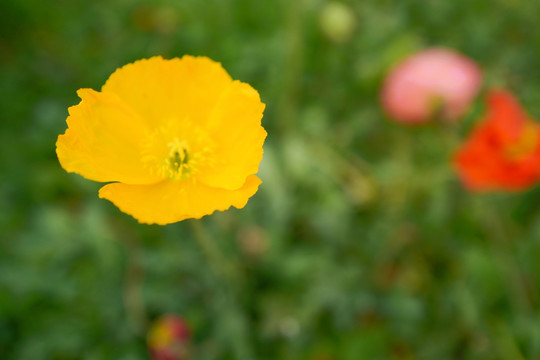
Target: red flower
[
  {"x": 168, "y": 339},
  {"x": 503, "y": 152}
]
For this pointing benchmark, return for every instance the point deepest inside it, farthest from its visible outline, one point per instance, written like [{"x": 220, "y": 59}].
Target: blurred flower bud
[
  {"x": 168, "y": 339},
  {"x": 163, "y": 20},
  {"x": 434, "y": 82},
  {"x": 289, "y": 327},
  {"x": 361, "y": 189},
  {"x": 322, "y": 357},
  {"x": 337, "y": 21},
  {"x": 253, "y": 242}
]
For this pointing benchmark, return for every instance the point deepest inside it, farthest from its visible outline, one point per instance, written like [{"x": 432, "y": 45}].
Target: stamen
[
  {"x": 179, "y": 160},
  {"x": 189, "y": 151}
]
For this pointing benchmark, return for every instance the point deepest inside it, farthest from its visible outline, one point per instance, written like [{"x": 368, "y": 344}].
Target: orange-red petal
[
  {"x": 503, "y": 152},
  {"x": 506, "y": 114}
]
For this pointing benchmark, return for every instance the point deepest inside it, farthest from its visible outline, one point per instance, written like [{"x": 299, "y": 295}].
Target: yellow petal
[
  {"x": 103, "y": 140},
  {"x": 160, "y": 90},
  {"x": 172, "y": 201},
  {"x": 235, "y": 126}
]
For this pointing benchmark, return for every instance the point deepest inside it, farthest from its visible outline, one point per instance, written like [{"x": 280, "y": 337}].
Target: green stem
[
  {"x": 228, "y": 279},
  {"x": 292, "y": 65},
  {"x": 217, "y": 261},
  {"x": 503, "y": 252},
  {"x": 134, "y": 277}
]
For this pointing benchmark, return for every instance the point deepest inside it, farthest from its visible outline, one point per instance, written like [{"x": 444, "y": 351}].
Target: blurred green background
[{"x": 360, "y": 244}]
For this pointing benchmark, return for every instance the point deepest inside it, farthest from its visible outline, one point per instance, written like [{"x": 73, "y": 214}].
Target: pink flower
[{"x": 433, "y": 82}]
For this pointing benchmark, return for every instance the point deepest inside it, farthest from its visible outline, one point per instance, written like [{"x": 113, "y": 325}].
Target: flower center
[
  {"x": 177, "y": 150},
  {"x": 177, "y": 165},
  {"x": 525, "y": 145}
]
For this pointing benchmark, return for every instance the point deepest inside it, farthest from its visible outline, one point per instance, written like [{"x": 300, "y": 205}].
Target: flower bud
[
  {"x": 337, "y": 21},
  {"x": 168, "y": 339}
]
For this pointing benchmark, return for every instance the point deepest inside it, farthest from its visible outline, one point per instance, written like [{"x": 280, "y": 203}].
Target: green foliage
[{"x": 360, "y": 244}]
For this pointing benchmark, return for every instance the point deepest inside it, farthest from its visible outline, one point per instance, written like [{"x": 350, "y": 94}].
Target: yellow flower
[{"x": 176, "y": 138}]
